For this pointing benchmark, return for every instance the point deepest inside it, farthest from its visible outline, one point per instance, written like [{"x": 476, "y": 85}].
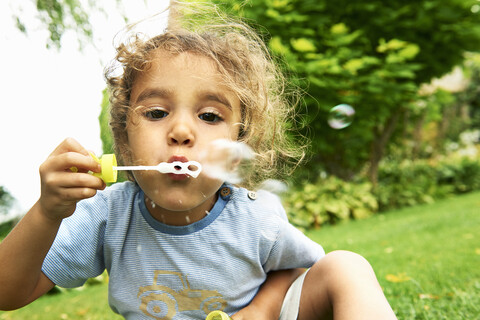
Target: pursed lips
[{"x": 174, "y": 176}]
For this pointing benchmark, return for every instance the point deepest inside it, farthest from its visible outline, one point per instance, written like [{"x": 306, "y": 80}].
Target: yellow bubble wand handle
[
  {"x": 218, "y": 315},
  {"x": 107, "y": 162}
]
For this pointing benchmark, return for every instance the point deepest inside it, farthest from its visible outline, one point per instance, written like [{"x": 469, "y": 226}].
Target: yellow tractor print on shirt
[{"x": 163, "y": 303}]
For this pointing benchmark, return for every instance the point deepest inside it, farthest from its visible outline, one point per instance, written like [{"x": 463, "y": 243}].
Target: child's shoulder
[
  {"x": 258, "y": 202},
  {"x": 258, "y": 196}
]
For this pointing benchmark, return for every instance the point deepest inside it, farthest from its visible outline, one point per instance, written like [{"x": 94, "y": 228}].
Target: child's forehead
[
  {"x": 168, "y": 68},
  {"x": 181, "y": 72},
  {"x": 160, "y": 58}
]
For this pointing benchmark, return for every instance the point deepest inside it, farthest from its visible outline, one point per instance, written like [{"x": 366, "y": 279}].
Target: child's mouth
[
  {"x": 177, "y": 158},
  {"x": 178, "y": 167}
]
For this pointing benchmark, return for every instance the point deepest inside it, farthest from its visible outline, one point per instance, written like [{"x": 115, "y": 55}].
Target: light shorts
[{"x": 291, "y": 303}]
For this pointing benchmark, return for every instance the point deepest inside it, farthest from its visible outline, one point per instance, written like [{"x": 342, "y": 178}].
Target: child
[{"x": 177, "y": 247}]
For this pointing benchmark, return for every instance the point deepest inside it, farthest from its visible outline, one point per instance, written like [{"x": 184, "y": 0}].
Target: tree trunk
[
  {"x": 417, "y": 135},
  {"x": 381, "y": 138}
]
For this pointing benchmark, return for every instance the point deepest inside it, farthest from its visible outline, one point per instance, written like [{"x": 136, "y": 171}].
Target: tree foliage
[
  {"x": 106, "y": 133},
  {"x": 471, "y": 95},
  {"x": 6, "y": 200},
  {"x": 104, "y": 121},
  {"x": 59, "y": 16},
  {"x": 372, "y": 55}
]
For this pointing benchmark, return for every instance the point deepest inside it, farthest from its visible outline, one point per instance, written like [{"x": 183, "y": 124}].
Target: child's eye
[
  {"x": 210, "y": 117},
  {"x": 156, "y": 114}
]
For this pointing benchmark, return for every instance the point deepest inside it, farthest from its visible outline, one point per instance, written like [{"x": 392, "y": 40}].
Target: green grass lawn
[
  {"x": 427, "y": 259},
  {"x": 88, "y": 303}
]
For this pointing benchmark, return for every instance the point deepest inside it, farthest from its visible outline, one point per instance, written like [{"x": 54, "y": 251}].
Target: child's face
[{"x": 178, "y": 107}]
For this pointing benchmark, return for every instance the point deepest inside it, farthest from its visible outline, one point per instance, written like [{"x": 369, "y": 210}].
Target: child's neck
[{"x": 180, "y": 218}]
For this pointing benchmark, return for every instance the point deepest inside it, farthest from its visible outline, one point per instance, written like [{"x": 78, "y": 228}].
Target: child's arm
[
  {"x": 22, "y": 252},
  {"x": 268, "y": 302}
]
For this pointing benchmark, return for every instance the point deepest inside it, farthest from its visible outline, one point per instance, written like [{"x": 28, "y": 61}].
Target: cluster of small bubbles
[
  {"x": 226, "y": 160},
  {"x": 274, "y": 186},
  {"x": 341, "y": 116},
  {"x": 323, "y": 175}
]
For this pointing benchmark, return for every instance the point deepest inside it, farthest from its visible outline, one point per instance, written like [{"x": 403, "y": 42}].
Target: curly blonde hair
[{"x": 246, "y": 67}]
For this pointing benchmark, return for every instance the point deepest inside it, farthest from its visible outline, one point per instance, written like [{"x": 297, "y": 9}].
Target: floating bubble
[
  {"x": 341, "y": 116},
  {"x": 226, "y": 160},
  {"x": 274, "y": 186}
]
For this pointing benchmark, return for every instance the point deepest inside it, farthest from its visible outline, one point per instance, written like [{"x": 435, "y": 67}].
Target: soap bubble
[
  {"x": 226, "y": 160},
  {"x": 274, "y": 186},
  {"x": 341, "y": 116}
]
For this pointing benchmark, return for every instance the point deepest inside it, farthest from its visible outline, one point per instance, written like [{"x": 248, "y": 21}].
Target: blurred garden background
[{"x": 391, "y": 108}]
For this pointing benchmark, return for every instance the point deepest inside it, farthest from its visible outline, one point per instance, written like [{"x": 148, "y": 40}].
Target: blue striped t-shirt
[{"x": 158, "y": 271}]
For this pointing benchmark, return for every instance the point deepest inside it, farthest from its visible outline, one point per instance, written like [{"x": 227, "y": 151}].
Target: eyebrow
[
  {"x": 165, "y": 93},
  {"x": 153, "y": 93},
  {"x": 216, "y": 96}
]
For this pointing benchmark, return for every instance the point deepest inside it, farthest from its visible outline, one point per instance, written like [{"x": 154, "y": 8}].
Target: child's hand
[
  {"x": 267, "y": 304},
  {"x": 61, "y": 188}
]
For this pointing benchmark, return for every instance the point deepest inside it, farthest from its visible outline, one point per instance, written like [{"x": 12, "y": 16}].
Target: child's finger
[
  {"x": 55, "y": 181},
  {"x": 73, "y": 180},
  {"x": 69, "y": 145},
  {"x": 67, "y": 160},
  {"x": 69, "y": 196},
  {"x": 61, "y": 190},
  {"x": 77, "y": 194}
]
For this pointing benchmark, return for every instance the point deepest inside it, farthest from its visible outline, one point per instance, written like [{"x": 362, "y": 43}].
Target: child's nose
[{"x": 181, "y": 133}]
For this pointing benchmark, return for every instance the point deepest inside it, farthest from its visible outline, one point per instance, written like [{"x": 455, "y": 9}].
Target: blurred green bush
[
  {"x": 408, "y": 183},
  {"x": 401, "y": 183},
  {"x": 329, "y": 200}
]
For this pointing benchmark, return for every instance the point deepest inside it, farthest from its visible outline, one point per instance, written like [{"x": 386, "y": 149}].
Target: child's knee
[
  {"x": 341, "y": 274},
  {"x": 343, "y": 265},
  {"x": 347, "y": 258},
  {"x": 332, "y": 278}
]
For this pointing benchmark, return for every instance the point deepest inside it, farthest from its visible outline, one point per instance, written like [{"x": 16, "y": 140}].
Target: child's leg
[{"x": 343, "y": 285}]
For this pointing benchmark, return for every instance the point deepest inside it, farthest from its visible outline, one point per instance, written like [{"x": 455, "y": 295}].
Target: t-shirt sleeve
[
  {"x": 285, "y": 247},
  {"x": 77, "y": 252},
  {"x": 292, "y": 249}
]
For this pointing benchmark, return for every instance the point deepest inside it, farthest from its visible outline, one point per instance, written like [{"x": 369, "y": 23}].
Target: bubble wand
[
  {"x": 222, "y": 160},
  {"x": 192, "y": 168},
  {"x": 108, "y": 163}
]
